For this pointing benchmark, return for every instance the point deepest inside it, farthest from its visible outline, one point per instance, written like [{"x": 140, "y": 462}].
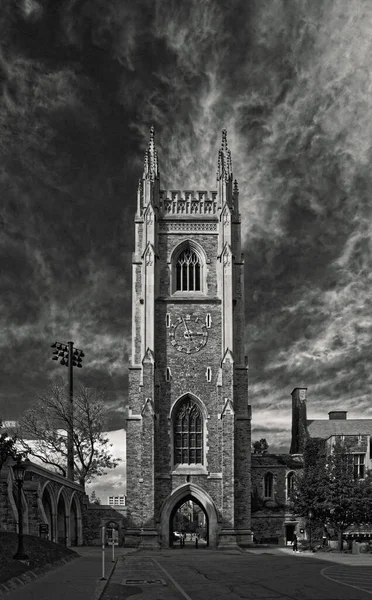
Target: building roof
[
  {"x": 323, "y": 428},
  {"x": 277, "y": 460}
]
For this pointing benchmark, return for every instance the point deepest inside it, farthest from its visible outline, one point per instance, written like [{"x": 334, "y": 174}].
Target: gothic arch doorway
[
  {"x": 61, "y": 520},
  {"x": 185, "y": 493},
  {"x": 188, "y": 517}
]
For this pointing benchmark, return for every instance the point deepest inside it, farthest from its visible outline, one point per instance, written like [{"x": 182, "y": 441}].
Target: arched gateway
[
  {"x": 176, "y": 499},
  {"x": 188, "y": 424}
]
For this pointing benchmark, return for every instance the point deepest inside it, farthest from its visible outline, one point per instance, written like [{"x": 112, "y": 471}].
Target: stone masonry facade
[{"x": 188, "y": 345}]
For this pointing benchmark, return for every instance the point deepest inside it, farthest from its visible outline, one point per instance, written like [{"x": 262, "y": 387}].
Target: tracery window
[
  {"x": 188, "y": 271},
  {"x": 188, "y": 434}
]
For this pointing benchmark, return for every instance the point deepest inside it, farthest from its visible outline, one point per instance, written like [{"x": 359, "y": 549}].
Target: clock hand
[{"x": 187, "y": 334}]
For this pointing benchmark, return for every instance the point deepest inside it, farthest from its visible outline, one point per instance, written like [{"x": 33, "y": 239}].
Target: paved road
[{"x": 206, "y": 575}]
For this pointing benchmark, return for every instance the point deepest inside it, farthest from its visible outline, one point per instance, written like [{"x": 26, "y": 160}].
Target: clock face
[{"x": 188, "y": 334}]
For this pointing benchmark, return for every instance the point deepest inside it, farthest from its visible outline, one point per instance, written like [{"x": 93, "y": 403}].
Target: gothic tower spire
[
  {"x": 148, "y": 189},
  {"x": 225, "y": 185},
  {"x": 224, "y": 169},
  {"x": 150, "y": 166}
]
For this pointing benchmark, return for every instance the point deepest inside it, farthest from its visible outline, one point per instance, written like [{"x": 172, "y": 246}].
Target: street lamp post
[
  {"x": 310, "y": 517},
  {"x": 19, "y": 474},
  {"x": 70, "y": 358}
]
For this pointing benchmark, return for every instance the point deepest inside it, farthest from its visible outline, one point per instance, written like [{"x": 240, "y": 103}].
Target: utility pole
[{"x": 70, "y": 358}]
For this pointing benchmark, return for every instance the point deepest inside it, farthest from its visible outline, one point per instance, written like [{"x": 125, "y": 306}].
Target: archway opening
[
  {"x": 188, "y": 524},
  {"x": 47, "y": 505},
  {"x": 61, "y": 521},
  {"x": 74, "y": 537}
]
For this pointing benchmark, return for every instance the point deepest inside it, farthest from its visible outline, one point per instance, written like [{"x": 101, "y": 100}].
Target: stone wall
[
  {"x": 47, "y": 498},
  {"x": 97, "y": 515},
  {"x": 271, "y": 515}
]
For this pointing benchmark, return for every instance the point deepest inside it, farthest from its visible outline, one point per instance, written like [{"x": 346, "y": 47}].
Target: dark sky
[{"x": 82, "y": 81}]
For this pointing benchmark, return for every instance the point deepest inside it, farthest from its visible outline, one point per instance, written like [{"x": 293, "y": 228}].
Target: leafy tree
[
  {"x": 328, "y": 489},
  {"x": 260, "y": 446},
  {"x": 8, "y": 447},
  {"x": 94, "y": 498},
  {"x": 43, "y": 430}
]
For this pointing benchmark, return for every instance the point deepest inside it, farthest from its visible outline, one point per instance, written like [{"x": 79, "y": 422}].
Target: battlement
[{"x": 187, "y": 202}]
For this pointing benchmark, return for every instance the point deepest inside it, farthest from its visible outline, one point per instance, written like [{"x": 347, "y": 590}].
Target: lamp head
[{"x": 19, "y": 471}]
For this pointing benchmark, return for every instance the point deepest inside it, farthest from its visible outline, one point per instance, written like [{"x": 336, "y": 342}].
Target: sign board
[
  {"x": 112, "y": 535},
  {"x": 43, "y": 529}
]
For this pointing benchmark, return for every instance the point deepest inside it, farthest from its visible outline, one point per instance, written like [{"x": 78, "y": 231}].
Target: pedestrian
[
  {"x": 294, "y": 542},
  {"x": 196, "y": 540},
  {"x": 325, "y": 533}
]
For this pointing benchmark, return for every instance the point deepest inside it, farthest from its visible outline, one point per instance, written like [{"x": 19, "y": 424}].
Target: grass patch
[{"x": 40, "y": 552}]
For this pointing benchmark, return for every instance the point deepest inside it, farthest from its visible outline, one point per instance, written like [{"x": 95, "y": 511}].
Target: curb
[
  {"x": 102, "y": 583},
  {"x": 29, "y": 576}
]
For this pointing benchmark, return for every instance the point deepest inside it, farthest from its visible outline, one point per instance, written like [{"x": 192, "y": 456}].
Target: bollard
[{"x": 103, "y": 553}]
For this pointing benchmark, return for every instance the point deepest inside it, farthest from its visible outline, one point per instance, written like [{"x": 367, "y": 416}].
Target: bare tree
[
  {"x": 42, "y": 431},
  {"x": 8, "y": 447}
]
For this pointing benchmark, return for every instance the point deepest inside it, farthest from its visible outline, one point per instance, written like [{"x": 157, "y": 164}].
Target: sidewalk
[
  {"x": 77, "y": 580},
  {"x": 355, "y": 560}
]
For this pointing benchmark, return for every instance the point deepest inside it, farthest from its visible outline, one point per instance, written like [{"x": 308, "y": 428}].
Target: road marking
[
  {"x": 322, "y": 572},
  {"x": 176, "y": 585}
]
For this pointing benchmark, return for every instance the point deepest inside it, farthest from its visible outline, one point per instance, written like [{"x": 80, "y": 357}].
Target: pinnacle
[
  {"x": 224, "y": 167},
  {"x": 151, "y": 170}
]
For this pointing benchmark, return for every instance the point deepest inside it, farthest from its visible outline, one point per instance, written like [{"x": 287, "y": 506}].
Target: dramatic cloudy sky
[{"x": 81, "y": 82}]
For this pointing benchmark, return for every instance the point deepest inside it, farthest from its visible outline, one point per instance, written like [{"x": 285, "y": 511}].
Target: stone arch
[
  {"x": 48, "y": 508},
  {"x": 171, "y": 417},
  {"x": 188, "y": 491},
  {"x": 63, "y": 515},
  {"x": 202, "y": 257},
  {"x": 76, "y": 524}
]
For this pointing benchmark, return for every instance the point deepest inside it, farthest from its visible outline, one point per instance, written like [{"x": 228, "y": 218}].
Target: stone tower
[{"x": 188, "y": 423}]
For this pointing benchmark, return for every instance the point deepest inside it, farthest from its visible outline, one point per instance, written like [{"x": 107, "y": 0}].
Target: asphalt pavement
[
  {"x": 191, "y": 574},
  {"x": 203, "y": 574}
]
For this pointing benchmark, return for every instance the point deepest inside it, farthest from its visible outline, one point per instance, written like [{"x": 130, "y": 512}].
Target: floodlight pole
[
  {"x": 70, "y": 358},
  {"x": 70, "y": 431}
]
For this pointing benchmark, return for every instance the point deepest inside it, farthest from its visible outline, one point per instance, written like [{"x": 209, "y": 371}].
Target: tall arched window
[
  {"x": 268, "y": 485},
  {"x": 188, "y": 271},
  {"x": 290, "y": 483},
  {"x": 188, "y": 434}
]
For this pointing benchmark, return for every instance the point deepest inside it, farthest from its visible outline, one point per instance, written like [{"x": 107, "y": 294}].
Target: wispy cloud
[{"x": 80, "y": 85}]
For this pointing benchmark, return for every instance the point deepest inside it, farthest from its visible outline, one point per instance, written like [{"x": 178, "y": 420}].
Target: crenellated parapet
[{"x": 188, "y": 202}]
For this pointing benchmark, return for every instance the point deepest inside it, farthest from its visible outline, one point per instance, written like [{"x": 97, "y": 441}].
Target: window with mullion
[
  {"x": 188, "y": 434},
  {"x": 188, "y": 271}
]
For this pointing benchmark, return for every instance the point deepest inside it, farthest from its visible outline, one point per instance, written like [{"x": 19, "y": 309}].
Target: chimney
[
  {"x": 299, "y": 424},
  {"x": 337, "y": 415}
]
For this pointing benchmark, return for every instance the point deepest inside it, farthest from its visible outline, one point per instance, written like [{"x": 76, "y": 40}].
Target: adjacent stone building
[
  {"x": 272, "y": 474},
  {"x": 188, "y": 428}
]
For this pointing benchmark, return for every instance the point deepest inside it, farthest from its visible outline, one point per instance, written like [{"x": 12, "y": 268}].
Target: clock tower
[{"x": 188, "y": 422}]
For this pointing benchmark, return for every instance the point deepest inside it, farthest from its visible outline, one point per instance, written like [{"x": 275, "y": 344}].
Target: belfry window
[
  {"x": 188, "y": 434},
  {"x": 188, "y": 276}
]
